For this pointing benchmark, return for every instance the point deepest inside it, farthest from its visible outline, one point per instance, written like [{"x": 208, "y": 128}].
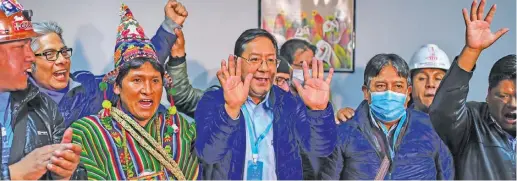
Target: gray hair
[
  {"x": 44, "y": 28},
  {"x": 379, "y": 61}
]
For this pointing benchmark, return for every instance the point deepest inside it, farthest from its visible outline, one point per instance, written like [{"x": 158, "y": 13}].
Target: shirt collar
[{"x": 266, "y": 102}]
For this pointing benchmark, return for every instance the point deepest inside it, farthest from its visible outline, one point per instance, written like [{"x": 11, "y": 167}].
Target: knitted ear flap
[
  {"x": 171, "y": 91},
  {"x": 106, "y": 104},
  {"x": 109, "y": 78}
]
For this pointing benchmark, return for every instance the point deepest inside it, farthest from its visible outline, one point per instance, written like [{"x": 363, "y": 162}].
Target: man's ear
[
  {"x": 408, "y": 95},
  {"x": 366, "y": 94},
  {"x": 116, "y": 89},
  {"x": 488, "y": 93}
]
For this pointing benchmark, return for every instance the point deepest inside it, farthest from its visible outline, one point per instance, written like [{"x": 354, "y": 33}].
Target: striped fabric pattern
[{"x": 103, "y": 153}]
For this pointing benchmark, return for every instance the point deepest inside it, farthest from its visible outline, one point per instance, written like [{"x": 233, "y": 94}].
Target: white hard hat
[{"x": 429, "y": 56}]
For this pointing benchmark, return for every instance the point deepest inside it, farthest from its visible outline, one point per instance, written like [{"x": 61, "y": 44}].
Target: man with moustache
[
  {"x": 34, "y": 144},
  {"x": 480, "y": 135},
  {"x": 77, "y": 94},
  {"x": 255, "y": 131}
]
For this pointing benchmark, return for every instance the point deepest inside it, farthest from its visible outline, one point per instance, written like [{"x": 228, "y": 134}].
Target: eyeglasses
[
  {"x": 282, "y": 81},
  {"x": 255, "y": 61},
  {"x": 53, "y": 55}
]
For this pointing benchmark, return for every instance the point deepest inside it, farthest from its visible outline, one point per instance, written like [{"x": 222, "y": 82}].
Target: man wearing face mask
[
  {"x": 297, "y": 51},
  {"x": 428, "y": 66},
  {"x": 385, "y": 140},
  {"x": 480, "y": 135}
]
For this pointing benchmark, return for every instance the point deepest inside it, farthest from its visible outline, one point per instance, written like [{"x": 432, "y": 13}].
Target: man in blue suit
[
  {"x": 385, "y": 139},
  {"x": 253, "y": 130}
]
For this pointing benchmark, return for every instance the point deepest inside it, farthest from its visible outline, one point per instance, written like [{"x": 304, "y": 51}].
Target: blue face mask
[{"x": 387, "y": 106}]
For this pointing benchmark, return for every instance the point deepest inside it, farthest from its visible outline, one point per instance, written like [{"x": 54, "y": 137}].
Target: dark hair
[
  {"x": 250, "y": 35},
  {"x": 290, "y": 47},
  {"x": 284, "y": 66},
  {"x": 379, "y": 61},
  {"x": 135, "y": 64},
  {"x": 503, "y": 69}
]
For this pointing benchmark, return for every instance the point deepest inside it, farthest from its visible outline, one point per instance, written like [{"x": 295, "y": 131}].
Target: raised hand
[
  {"x": 235, "y": 90},
  {"x": 178, "y": 49},
  {"x": 478, "y": 33},
  {"x": 176, "y": 12},
  {"x": 316, "y": 91}
]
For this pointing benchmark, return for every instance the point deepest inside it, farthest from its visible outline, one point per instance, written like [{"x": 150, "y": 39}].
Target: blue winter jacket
[
  {"x": 419, "y": 153},
  {"x": 87, "y": 98},
  {"x": 221, "y": 142}
]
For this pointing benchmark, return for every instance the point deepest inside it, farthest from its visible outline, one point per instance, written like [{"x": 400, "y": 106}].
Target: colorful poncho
[{"x": 104, "y": 151}]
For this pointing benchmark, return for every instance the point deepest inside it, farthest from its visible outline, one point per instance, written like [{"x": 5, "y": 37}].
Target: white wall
[{"x": 397, "y": 26}]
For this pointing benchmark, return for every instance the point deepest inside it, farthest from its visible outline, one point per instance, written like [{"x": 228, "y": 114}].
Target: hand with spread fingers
[
  {"x": 176, "y": 12},
  {"x": 344, "y": 115},
  {"x": 478, "y": 33},
  {"x": 235, "y": 90},
  {"x": 64, "y": 162},
  {"x": 315, "y": 92}
]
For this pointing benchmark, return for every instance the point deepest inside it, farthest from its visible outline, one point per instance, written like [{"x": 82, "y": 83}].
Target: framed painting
[{"x": 329, "y": 25}]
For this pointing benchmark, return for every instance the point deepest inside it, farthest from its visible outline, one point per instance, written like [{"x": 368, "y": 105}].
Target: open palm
[
  {"x": 315, "y": 92},
  {"x": 479, "y": 36},
  {"x": 235, "y": 90}
]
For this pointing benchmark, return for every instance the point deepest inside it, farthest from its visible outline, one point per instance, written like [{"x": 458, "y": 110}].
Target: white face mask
[{"x": 298, "y": 74}]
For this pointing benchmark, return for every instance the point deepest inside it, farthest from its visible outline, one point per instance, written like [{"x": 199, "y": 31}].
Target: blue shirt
[
  {"x": 7, "y": 131},
  {"x": 261, "y": 116},
  {"x": 389, "y": 134}
]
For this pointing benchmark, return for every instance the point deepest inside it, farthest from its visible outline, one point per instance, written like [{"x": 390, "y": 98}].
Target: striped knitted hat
[{"x": 132, "y": 43}]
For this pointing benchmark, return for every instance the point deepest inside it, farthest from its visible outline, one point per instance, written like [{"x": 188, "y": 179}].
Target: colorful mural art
[{"x": 327, "y": 24}]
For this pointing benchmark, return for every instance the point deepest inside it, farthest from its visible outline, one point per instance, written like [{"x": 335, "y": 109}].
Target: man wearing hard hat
[
  {"x": 428, "y": 66},
  {"x": 42, "y": 149}
]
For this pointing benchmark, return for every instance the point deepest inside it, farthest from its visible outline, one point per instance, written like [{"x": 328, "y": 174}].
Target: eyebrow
[
  {"x": 144, "y": 74},
  {"x": 48, "y": 49},
  {"x": 259, "y": 54}
]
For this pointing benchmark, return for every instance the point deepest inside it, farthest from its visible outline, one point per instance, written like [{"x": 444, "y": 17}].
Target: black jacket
[
  {"x": 36, "y": 123},
  {"x": 481, "y": 149}
]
